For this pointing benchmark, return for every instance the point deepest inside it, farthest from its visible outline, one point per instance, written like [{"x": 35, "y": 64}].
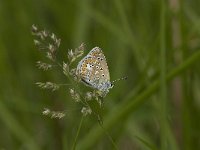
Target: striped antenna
[{"x": 123, "y": 78}]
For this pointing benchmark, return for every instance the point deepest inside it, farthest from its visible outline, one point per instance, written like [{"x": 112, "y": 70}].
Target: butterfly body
[{"x": 93, "y": 71}]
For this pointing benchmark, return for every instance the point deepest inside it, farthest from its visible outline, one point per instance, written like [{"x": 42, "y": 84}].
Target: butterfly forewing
[
  {"x": 86, "y": 71},
  {"x": 93, "y": 69},
  {"x": 96, "y": 52}
]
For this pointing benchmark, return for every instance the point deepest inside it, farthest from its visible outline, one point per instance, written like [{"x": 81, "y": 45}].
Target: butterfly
[{"x": 93, "y": 71}]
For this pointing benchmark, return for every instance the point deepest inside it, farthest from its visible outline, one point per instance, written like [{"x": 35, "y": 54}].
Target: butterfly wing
[
  {"x": 96, "y": 52},
  {"x": 93, "y": 69},
  {"x": 85, "y": 71}
]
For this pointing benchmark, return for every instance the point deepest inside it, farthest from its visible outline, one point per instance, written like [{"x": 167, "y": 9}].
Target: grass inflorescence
[{"x": 50, "y": 44}]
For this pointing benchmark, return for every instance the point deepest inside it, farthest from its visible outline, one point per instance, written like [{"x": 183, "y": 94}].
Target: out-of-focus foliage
[{"x": 148, "y": 41}]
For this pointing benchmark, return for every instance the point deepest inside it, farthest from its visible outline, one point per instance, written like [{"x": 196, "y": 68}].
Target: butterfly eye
[
  {"x": 111, "y": 85},
  {"x": 103, "y": 75},
  {"x": 101, "y": 59}
]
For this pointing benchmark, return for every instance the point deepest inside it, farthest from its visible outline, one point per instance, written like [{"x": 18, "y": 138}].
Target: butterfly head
[{"x": 104, "y": 88}]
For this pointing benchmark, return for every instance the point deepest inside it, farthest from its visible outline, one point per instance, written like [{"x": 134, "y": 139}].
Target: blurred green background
[{"x": 155, "y": 43}]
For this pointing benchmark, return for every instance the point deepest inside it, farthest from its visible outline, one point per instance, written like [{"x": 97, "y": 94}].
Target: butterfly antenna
[{"x": 123, "y": 78}]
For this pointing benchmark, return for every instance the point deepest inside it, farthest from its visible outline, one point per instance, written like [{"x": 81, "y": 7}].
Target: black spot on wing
[{"x": 86, "y": 82}]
